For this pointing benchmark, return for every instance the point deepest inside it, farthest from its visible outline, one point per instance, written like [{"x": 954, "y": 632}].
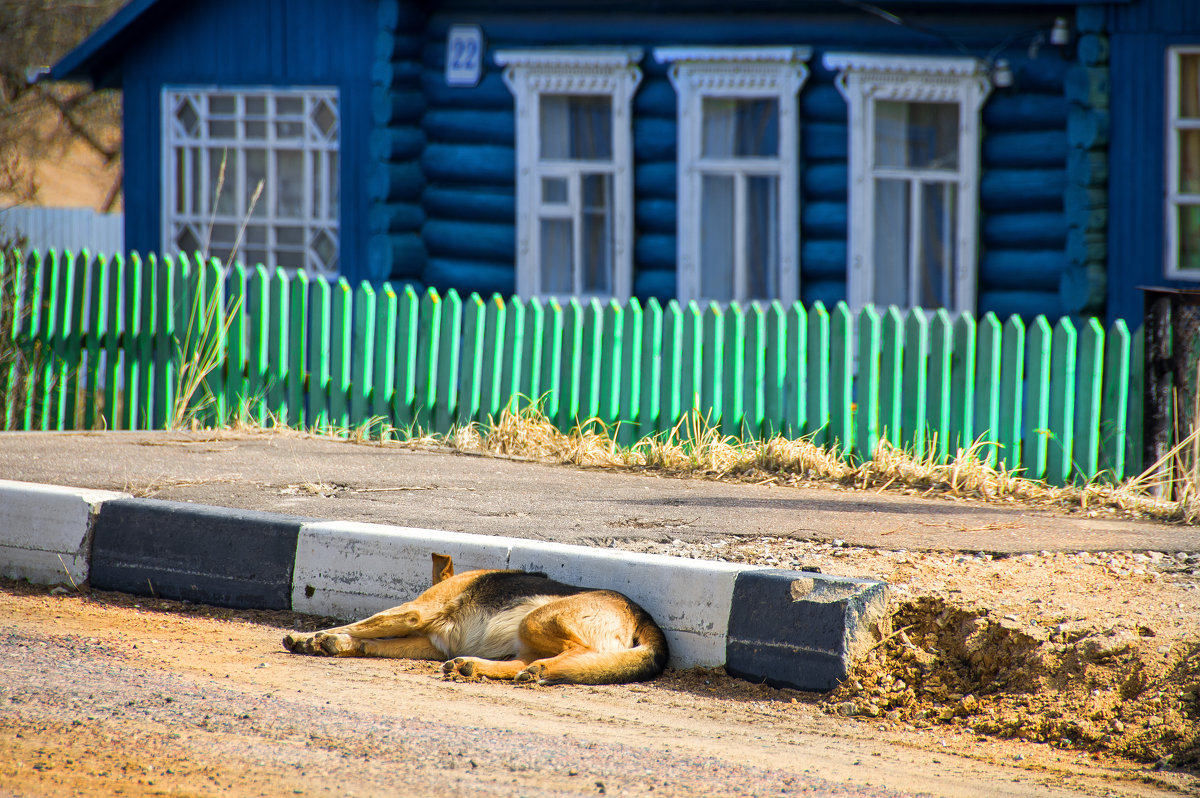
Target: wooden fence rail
[{"x": 121, "y": 343}]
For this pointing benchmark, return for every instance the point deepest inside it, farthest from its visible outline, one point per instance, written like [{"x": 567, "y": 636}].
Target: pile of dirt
[{"x": 1119, "y": 690}]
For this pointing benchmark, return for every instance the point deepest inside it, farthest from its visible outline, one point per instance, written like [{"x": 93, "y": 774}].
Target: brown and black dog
[{"x": 507, "y": 625}]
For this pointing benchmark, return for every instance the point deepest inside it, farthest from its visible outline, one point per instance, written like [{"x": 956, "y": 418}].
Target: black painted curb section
[
  {"x": 213, "y": 555},
  {"x": 799, "y": 629}
]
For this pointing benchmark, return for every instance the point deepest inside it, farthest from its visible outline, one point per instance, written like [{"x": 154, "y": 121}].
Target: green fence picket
[
  {"x": 277, "y": 347},
  {"x": 148, "y": 324},
  {"x": 891, "y": 376},
  {"x": 914, "y": 404},
  {"x": 867, "y": 416},
  {"x": 530, "y": 384},
  {"x": 515, "y": 345},
  {"x": 73, "y": 334},
  {"x": 691, "y": 364},
  {"x": 258, "y": 342},
  {"x": 166, "y": 355},
  {"x": 1114, "y": 412},
  {"x": 629, "y": 371},
  {"x": 841, "y": 380},
  {"x": 775, "y": 372},
  {"x": 647, "y": 368},
  {"x": 362, "y": 365},
  {"x": 449, "y": 354},
  {"x": 1035, "y": 427},
  {"x": 408, "y": 344},
  {"x": 320, "y": 337},
  {"x": 1088, "y": 395},
  {"x": 429, "y": 340},
  {"x": 989, "y": 338},
  {"x": 962, "y": 384},
  {"x": 341, "y": 337},
  {"x": 795, "y": 373},
  {"x": 670, "y": 392},
  {"x": 941, "y": 359},
  {"x": 1063, "y": 355},
  {"x": 733, "y": 386},
  {"x": 470, "y": 386},
  {"x": 610, "y": 321},
  {"x": 112, "y": 343},
  {"x": 1134, "y": 453},
  {"x": 493, "y": 397},
  {"x": 299, "y": 290},
  {"x": 817, "y": 377},
  {"x": 1012, "y": 381},
  {"x": 581, "y": 363},
  {"x": 754, "y": 372},
  {"x": 131, "y": 379},
  {"x": 712, "y": 348},
  {"x": 551, "y": 365},
  {"x": 387, "y": 306},
  {"x": 214, "y": 343}
]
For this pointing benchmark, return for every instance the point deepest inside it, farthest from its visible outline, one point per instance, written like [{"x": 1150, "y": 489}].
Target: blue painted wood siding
[
  {"x": 1139, "y": 36},
  {"x": 446, "y": 217},
  {"x": 231, "y": 44}
]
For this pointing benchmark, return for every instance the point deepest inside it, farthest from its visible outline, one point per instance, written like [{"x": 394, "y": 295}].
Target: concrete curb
[{"x": 788, "y": 628}]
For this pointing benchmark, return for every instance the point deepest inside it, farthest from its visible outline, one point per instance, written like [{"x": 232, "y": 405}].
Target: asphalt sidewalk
[{"x": 336, "y": 480}]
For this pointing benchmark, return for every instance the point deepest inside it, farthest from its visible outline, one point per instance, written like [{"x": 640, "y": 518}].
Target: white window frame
[
  {"x": 1174, "y": 197},
  {"x": 319, "y": 150},
  {"x": 865, "y": 79},
  {"x": 740, "y": 72},
  {"x": 531, "y": 73}
]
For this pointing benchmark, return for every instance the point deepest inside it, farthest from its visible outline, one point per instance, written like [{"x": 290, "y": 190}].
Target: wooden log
[
  {"x": 1087, "y": 167},
  {"x": 1026, "y": 305},
  {"x": 654, "y": 138},
  {"x": 396, "y": 74},
  {"x": 1091, "y": 19},
  {"x": 655, "y": 251},
  {"x": 395, "y": 257},
  {"x": 403, "y": 217},
  {"x": 824, "y": 141},
  {"x": 822, "y": 259},
  {"x": 1088, "y": 128},
  {"x": 1028, "y": 270},
  {"x": 1022, "y": 189},
  {"x": 652, "y": 215},
  {"x": 823, "y": 220},
  {"x": 392, "y": 107},
  {"x": 481, "y": 277},
  {"x": 1045, "y": 73},
  {"x": 469, "y": 126},
  {"x": 1088, "y": 86},
  {"x": 469, "y": 163},
  {"x": 393, "y": 182},
  {"x": 1082, "y": 289},
  {"x": 402, "y": 15},
  {"x": 1020, "y": 149},
  {"x": 490, "y": 92},
  {"x": 396, "y": 143},
  {"x": 658, "y": 285},
  {"x": 827, "y": 292},
  {"x": 475, "y": 204},
  {"x": 825, "y": 181},
  {"x": 1084, "y": 247},
  {"x": 821, "y": 102},
  {"x": 470, "y": 241},
  {"x": 655, "y": 98},
  {"x": 398, "y": 46},
  {"x": 655, "y": 179},
  {"x": 1025, "y": 112},
  {"x": 1037, "y": 230},
  {"x": 1093, "y": 49},
  {"x": 1078, "y": 201}
]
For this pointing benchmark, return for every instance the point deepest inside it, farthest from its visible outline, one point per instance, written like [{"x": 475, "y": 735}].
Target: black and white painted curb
[{"x": 787, "y": 628}]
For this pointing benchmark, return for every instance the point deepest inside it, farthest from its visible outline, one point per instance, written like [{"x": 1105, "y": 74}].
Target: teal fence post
[
  {"x": 712, "y": 376},
  {"x": 149, "y": 323},
  {"x": 408, "y": 347},
  {"x": 131, "y": 373},
  {"x": 298, "y": 332},
  {"x": 531, "y": 355},
  {"x": 795, "y": 383},
  {"x": 841, "y": 380},
  {"x": 470, "y": 386},
  {"x": 259, "y": 318},
  {"x": 733, "y": 396},
  {"x": 112, "y": 343},
  {"x": 581, "y": 361},
  {"x": 915, "y": 401},
  {"x": 610, "y": 322},
  {"x": 1012, "y": 383},
  {"x": 647, "y": 369},
  {"x": 493, "y": 397},
  {"x": 341, "y": 336},
  {"x": 866, "y": 421},
  {"x": 427, "y": 360},
  {"x": 1063, "y": 355},
  {"x": 1115, "y": 403},
  {"x": 362, "y": 375},
  {"x": 941, "y": 358},
  {"x": 1035, "y": 428},
  {"x": 691, "y": 391},
  {"x": 629, "y": 375},
  {"x": 387, "y": 307},
  {"x": 449, "y": 353},
  {"x": 278, "y": 347},
  {"x": 1090, "y": 376},
  {"x": 511, "y": 381},
  {"x": 671, "y": 404},
  {"x": 819, "y": 390},
  {"x": 891, "y": 377},
  {"x": 987, "y": 387},
  {"x": 166, "y": 362},
  {"x": 754, "y": 372},
  {"x": 962, "y": 384},
  {"x": 320, "y": 343}
]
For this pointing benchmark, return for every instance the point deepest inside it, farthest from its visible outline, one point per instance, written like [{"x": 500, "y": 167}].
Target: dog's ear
[{"x": 443, "y": 567}]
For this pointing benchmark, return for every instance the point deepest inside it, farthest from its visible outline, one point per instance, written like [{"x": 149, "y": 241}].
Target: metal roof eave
[{"x": 90, "y": 59}]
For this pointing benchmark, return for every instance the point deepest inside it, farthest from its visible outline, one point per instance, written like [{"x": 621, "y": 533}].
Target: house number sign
[{"x": 464, "y": 55}]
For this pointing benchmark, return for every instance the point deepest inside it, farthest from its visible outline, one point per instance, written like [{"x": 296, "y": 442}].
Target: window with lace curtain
[
  {"x": 1183, "y": 163},
  {"x": 574, "y": 170},
  {"x": 253, "y": 175},
  {"x": 738, "y": 186}
]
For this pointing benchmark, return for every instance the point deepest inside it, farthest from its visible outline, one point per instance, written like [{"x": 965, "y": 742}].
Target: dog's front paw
[
  {"x": 459, "y": 666},
  {"x": 335, "y": 645},
  {"x": 299, "y": 643},
  {"x": 531, "y": 674}
]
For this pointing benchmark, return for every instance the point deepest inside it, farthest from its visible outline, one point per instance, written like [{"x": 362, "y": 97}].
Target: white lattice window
[
  {"x": 574, "y": 170},
  {"x": 738, "y": 186},
  {"x": 914, "y": 178},
  {"x": 1183, "y": 163},
  {"x": 253, "y": 174}
]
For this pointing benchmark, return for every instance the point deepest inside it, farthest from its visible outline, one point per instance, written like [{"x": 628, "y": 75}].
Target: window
[
  {"x": 1183, "y": 163},
  {"x": 253, "y": 174},
  {"x": 574, "y": 170},
  {"x": 914, "y": 178},
  {"x": 738, "y": 187}
]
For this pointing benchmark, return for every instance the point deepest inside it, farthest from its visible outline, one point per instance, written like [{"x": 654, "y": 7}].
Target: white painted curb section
[
  {"x": 45, "y": 531},
  {"x": 351, "y": 570}
]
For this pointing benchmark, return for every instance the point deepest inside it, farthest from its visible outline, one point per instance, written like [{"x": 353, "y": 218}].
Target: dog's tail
[{"x": 646, "y": 659}]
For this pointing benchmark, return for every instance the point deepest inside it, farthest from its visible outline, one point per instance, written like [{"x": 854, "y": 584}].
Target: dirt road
[{"x": 107, "y": 694}]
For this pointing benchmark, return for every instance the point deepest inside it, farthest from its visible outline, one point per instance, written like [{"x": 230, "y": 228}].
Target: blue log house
[{"x": 1026, "y": 158}]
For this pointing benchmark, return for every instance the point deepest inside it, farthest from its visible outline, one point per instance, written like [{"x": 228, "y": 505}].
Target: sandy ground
[{"x": 103, "y": 694}]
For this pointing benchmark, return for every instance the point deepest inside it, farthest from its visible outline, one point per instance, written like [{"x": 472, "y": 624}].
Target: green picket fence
[{"x": 113, "y": 343}]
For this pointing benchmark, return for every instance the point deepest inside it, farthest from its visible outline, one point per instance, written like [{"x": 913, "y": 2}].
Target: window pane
[
  {"x": 716, "y": 237},
  {"x": 1189, "y": 161},
  {"x": 597, "y": 234},
  {"x": 256, "y": 105},
  {"x": 1189, "y": 86},
  {"x": 289, "y": 167},
  {"x": 740, "y": 128},
  {"x": 762, "y": 238},
  {"x": 935, "y": 270},
  {"x": 891, "y": 242},
  {"x": 222, "y": 180},
  {"x": 256, "y": 172},
  {"x": 554, "y": 190},
  {"x": 557, "y": 248},
  {"x": 916, "y": 135},
  {"x": 578, "y": 127},
  {"x": 1189, "y": 237}
]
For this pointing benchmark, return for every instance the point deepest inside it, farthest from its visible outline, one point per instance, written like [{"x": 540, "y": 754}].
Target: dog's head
[{"x": 443, "y": 567}]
